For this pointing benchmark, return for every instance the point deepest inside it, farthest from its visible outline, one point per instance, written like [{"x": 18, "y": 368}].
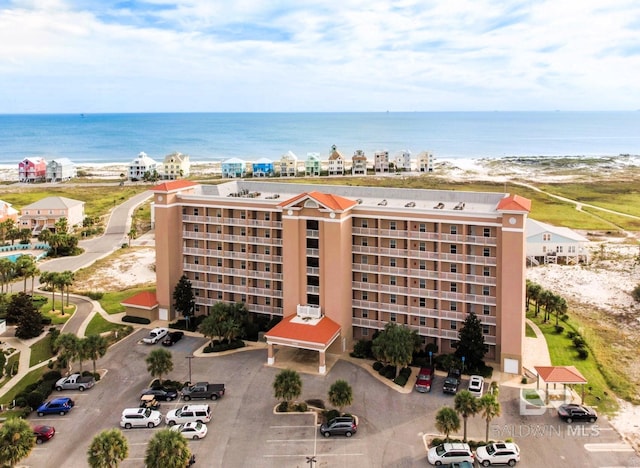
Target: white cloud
[{"x": 318, "y": 55}]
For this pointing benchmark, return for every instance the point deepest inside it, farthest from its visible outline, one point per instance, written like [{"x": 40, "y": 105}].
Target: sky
[{"x": 60, "y": 56}]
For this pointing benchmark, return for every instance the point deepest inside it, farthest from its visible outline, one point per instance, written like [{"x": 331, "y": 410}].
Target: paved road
[{"x": 245, "y": 432}]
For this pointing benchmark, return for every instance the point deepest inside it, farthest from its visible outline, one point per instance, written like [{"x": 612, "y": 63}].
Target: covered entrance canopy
[
  {"x": 566, "y": 375},
  {"x": 305, "y": 332}
]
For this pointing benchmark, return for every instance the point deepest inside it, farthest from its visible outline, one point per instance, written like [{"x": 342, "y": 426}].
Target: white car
[
  {"x": 476, "y": 385},
  {"x": 140, "y": 417},
  {"x": 189, "y": 413},
  {"x": 500, "y": 453},
  {"x": 191, "y": 430},
  {"x": 445, "y": 454},
  {"x": 156, "y": 335}
]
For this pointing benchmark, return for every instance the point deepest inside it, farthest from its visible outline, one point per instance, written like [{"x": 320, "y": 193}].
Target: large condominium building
[{"x": 340, "y": 262}]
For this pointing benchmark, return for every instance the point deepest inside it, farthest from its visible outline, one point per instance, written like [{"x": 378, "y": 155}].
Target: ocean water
[{"x": 118, "y": 138}]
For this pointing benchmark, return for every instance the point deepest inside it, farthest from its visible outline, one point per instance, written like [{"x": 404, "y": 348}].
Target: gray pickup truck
[
  {"x": 75, "y": 382},
  {"x": 202, "y": 390}
]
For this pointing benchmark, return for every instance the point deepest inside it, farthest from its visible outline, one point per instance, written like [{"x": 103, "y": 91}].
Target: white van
[{"x": 189, "y": 413}]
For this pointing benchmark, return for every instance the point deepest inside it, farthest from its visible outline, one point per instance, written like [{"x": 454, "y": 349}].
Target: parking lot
[{"x": 244, "y": 430}]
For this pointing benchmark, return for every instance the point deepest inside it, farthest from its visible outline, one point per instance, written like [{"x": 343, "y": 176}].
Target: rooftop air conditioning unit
[{"x": 309, "y": 311}]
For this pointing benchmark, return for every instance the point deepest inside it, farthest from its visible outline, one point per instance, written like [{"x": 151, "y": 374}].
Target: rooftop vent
[
  {"x": 439, "y": 206},
  {"x": 383, "y": 203},
  {"x": 411, "y": 204},
  {"x": 359, "y": 201},
  {"x": 459, "y": 206}
]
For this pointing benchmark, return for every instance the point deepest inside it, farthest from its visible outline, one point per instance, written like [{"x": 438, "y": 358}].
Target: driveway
[{"x": 245, "y": 431}]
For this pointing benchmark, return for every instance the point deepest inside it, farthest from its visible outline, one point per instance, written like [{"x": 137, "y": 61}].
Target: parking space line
[
  {"x": 612, "y": 447},
  {"x": 290, "y": 440},
  {"x": 286, "y": 427},
  {"x": 316, "y": 455}
]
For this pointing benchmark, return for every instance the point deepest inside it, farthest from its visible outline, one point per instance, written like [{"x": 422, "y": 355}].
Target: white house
[
  {"x": 402, "y": 161},
  {"x": 141, "y": 165},
  {"x": 336, "y": 162},
  {"x": 60, "y": 169},
  {"x": 381, "y": 161},
  {"x": 552, "y": 244},
  {"x": 425, "y": 162}
]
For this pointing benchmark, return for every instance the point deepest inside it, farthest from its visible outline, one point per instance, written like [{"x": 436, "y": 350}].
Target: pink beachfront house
[
  {"x": 32, "y": 169},
  {"x": 7, "y": 212},
  {"x": 44, "y": 214}
]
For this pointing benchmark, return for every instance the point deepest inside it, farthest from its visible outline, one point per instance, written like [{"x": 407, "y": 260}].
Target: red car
[
  {"x": 425, "y": 379},
  {"x": 43, "y": 433}
]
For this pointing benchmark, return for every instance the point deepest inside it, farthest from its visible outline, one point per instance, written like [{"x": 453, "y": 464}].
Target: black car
[
  {"x": 573, "y": 412},
  {"x": 452, "y": 382},
  {"x": 342, "y": 425},
  {"x": 161, "y": 394},
  {"x": 172, "y": 337}
]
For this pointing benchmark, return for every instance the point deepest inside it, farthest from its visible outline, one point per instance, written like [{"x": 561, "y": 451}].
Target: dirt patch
[{"x": 127, "y": 268}]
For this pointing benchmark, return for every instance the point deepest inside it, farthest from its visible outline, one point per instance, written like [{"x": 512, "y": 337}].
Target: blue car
[{"x": 59, "y": 406}]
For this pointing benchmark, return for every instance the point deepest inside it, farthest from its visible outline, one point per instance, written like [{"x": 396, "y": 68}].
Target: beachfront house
[
  {"x": 233, "y": 168},
  {"x": 553, "y": 244},
  {"x": 288, "y": 165},
  {"x": 142, "y": 166},
  {"x": 45, "y": 213},
  {"x": 381, "y": 161},
  {"x": 312, "y": 165},
  {"x": 402, "y": 161},
  {"x": 60, "y": 169},
  {"x": 358, "y": 163},
  {"x": 32, "y": 169},
  {"x": 425, "y": 162},
  {"x": 175, "y": 166},
  {"x": 7, "y": 212},
  {"x": 335, "y": 163},
  {"x": 263, "y": 167}
]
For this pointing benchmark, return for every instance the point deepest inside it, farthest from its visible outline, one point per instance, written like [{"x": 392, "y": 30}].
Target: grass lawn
[
  {"x": 110, "y": 301},
  {"x": 99, "y": 325},
  {"x": 13, "y": 360},
  {"x": 31, "y": 377},
  {"x": 57, "y": 318},
  {"x": 41, "y": 351},
  {"x": 564, "y": 354},
  {"x": 528, "y": 331}
]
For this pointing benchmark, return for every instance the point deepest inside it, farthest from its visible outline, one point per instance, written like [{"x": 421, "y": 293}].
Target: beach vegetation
[
  {"x": 287, "y": 386},
  {"x": 395, "y": 345}
]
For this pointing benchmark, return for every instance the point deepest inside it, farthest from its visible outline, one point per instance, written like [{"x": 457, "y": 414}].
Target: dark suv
[
  {"x": 452, "y": 382},
  {"x": 342, "y": 425}
]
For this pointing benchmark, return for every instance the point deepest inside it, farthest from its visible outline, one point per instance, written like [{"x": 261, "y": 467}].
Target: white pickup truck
[{"x": 75, "y": 382}]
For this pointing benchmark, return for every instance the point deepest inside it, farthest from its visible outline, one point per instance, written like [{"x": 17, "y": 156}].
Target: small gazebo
[{"x": 565, "y": 375}]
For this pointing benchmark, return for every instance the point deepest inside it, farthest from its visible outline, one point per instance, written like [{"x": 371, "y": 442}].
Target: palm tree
[
  {"x": 168, "y": 449},
  {"x": 59, "y": 281},
  {"x": 340, "y": 394},
  {"x": 159, "y": 363},
  {"x": 66, "y": 280},
  {"x": 546, "y": 298},
  {"x": 489, "y": 406},
  {"x": 560, "y": 308},
  {"x": 447, "y": 421},
  {"x": 7, "y": 269},
  {"x": 47, "y": 278},
  {"x": 108, "y": 449},
  {"x": 16, "y": 440},
  {"x": 96, "y": 347},
  {"x": 69, "y": 345},
  {"x": 287, "y": 385},
  {"x": 466, "y": 405}
]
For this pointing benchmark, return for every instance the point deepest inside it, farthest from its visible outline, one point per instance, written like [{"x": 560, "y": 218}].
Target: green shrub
[
  {"x": 389, "y": 372},
  {"x": 52, "y": 375},
  {"x": 301, "y": 407},
  {"x": 362, "y": 349},
  {"x": 283, "y": 407},
  {"x": 35, "y": 399},
  {"x": 219, "y": 346},
  {"x": 635, "y": 293},
  {"x": 571, "y": 334},
  {"x": 559, "y": 329},
  {"x": 578, "y": 342},
  {"x": 21, "y": 401},
  {"x": 46, "y": 320},
  {"x": 95, "y": 295},
  {"x": 316, "y": 403},
  {"x": 583, "y": 353},
  {"x": 329, "y": 415},
  {"x": 377, "y": 366},
  {"x": 400, "y": 380},
  {"x": 134, "y": 319}
]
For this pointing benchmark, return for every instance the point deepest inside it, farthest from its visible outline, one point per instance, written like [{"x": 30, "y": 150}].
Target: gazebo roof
[
  {"x": 560, "y": 374},
  {"x": 310, "y": 334}
]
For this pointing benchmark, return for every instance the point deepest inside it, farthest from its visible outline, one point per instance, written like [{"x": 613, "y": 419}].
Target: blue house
[
  {"x": 233, "y": 168},
  {"x": 263, "y": 168}
]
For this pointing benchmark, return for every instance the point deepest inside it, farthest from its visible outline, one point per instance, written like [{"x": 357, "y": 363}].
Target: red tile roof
[
  {"x": 173, "y": 185},
  {"x": 145, "y": 299},
  {"x": 560, "y": 374},
  {"x": 332, "y": 202},
  {"x": 322, "y": 332},
  {"x": 514, "y": 203}
]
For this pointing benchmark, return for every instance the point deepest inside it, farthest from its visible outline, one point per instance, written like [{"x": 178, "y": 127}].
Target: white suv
[
  {"x": 445, "y": 454},
  {"x": 156, "y": 335},
  {"x": 476, "y": 385},
  {"x": 500, "y": 453},
  {"x": 189, "y": 413},
  {"x": 140, "y": 417}
]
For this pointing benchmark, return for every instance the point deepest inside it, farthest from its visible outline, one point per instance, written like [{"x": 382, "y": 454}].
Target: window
[
  {"x": 243, "y": 266},
  {"x": 485, "y": 329},
  {"x": 365, "y": 278},
  {"x": 422, "y": 227},
  {"x": 267, "y": 285},
  {"x": 196, "y": 228},
  {"x": 364, "y": 223},
  {"x": 364, "y": 259},
  {"x": 196, "y": 261},
  {"x": 393, "y": 244},
  {"x": 365, "y": 314},
  {"x": 486, "y": 310},
  {"x": 486, "y": 232},
  {"x": 453, "y": 306},
  {"x": 219, "y": 294},
  {"x": 196, "y": 212},
  {"x": 423, "y": 283},
  {"x": 571, "y": 249},
  {"x": 559, "y": 249},
  {"x": 486, "y": 271},
  {"x": 196, "y": 276},
  {"x": 393, "y": 299},
  {"x": 392, "y": 262},
  {"x": 393, "y": 317},
  {"x": 365, "y": 296},
  {"x": 423, "y": 246},
  {"x": 267, "y": 267},
  {"x": 243, "y": 281},
  {"x": 243, "y": 215},
  {"x": 486, "y": 252},
  {"x": 365, "y": 242},
  {"x": 393, "y": 280},
  {"x": 453, "y": 249},
  {"x": 423, "y": 265},
  {"x": 453, "y": 287},
  {"x": 219, "y": 278},
  {"x": 486, "y": 290},
  {"x": 219, "y": 246},
  {"x": 546, "y": 237},
  {"x": 267, "y": 301},
  {"x": 423, "y": 321},
  {"x": 453, "y": 229},
  {"x": 453, "y": 268},
  {"x": 267, "y": 251},
  {"x": 422, "y": 302},
  {"x": 267, "y": 234},
  {"x": 453, "y": 325},
  {"x": 365, "y": 332},
  {"x": 243, "y": 232},
  {"x": 392, "y": 225}
]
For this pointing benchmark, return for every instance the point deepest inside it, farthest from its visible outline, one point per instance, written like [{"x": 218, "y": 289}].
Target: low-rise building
[
  {"x": 381, "y": 161},
  {"x": 45, "y": 213},
  {"x": 263, "y": 168},
  {"x": 142, "y": 166},
  {"x": 554, "y": 244},
  {"x": 60, "y": 170},
  {"x": 287, "y": 166},
  {"x": 425, "y": 162},
  {"x": 359, "y": 163},
  {"x": 33, "y": 169},
  {"x": 176, "y": 166},
  {"x": 335, "y": 163},
  {"x": 233, "y": 168},
  {"x": 402, "y": 161},
  {"x": 312, "y": 165}
]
